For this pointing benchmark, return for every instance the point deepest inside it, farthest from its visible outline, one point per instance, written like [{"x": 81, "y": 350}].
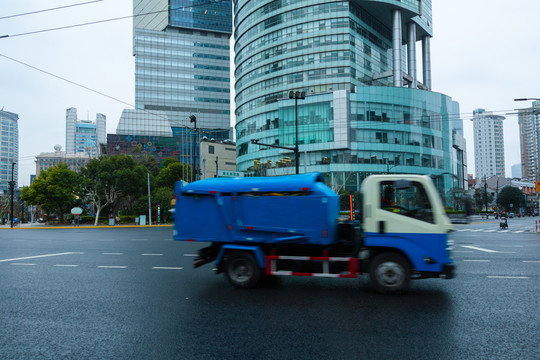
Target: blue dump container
[{"x": 296, "y": 209}]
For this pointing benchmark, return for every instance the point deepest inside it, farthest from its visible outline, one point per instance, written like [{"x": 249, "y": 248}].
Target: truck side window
[{"x": 411, "y": 201}]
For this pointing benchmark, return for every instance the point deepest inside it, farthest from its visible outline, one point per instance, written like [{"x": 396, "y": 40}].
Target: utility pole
[
  {"x": 12, "y": 188},
  {"x": 485, "y": 194},
  {"x": 193, "y": 119}
]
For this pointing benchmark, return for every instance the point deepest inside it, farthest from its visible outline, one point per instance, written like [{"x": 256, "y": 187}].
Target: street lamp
[
  {"x": 292, "y": 95},
  {"x": 296, "y": 95},
  {"x": 193, "y": 119},
  {"x": 11, "y": 188}
]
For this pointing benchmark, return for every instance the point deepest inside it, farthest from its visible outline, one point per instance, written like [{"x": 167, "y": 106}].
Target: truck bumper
[{"x": 448, "y": 271}]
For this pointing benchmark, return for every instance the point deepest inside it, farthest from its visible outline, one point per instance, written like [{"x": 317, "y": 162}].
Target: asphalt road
[{"x": 132, "y": 294}]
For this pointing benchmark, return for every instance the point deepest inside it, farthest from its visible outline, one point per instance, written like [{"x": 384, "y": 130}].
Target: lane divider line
[{"x": 41, "y": 256}]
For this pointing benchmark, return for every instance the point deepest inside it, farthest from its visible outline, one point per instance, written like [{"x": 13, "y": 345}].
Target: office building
[
  {"x": 366, "y": 110},
  {"x": 9, "y": 150},
  {"x": 84, "y": 136},
  {"x": 74, "y": 161},
  {"x": 218, "y": 159},
  {"x": 516, "y": 171},
  {"x": 182, "y": 69},
  {"x": 488, "y": 144},
  {"x": 529, "y": 128}
]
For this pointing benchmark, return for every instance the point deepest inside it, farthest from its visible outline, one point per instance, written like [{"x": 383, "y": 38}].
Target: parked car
[{"x": 511, "y": 215}]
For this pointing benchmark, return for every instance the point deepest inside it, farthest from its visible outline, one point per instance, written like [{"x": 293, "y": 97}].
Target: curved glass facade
[{"x": 354, "y": 121}]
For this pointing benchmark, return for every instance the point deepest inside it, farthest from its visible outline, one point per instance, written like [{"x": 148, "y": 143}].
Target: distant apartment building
[
  {"x": 488, "y": 144},
  {"x": 516, "y": 171},
  {"x": 85, "y": 136},
  {"x": 182, "y": 69},
  {"x": 9, "y": 150},
  {"x": 217, "y": 158},
  {"x": 529, "y": 128},
  {"x": 74, "y": 161}
]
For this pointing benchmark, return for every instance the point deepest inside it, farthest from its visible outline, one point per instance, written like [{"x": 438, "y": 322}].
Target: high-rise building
[
  {"x": 9, "y": 150},
  {"x": 529, "y": 128},
  {"x": 182, "y": 72},
  {"x": 182, "y": 61},
  {"x": 85, "y": 136},
  {"x": 488, "y": 144},
  {"x": 366, "y": 109}
]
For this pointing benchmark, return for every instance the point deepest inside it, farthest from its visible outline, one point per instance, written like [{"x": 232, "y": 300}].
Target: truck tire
[
  {"x": 242, "y": 270},
  {"x": 390, "y": 273}
]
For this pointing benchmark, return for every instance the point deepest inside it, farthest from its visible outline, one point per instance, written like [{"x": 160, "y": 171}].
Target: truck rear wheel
[
  {"x": 390, "y": 273},
  {"x": 242, "y": 270}
]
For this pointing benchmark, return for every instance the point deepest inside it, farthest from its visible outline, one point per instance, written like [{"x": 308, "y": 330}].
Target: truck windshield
[{"x": 412, "y": 201}]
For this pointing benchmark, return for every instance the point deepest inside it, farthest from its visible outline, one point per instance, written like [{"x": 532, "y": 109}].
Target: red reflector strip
[
  {"x": 190, "y": 240},
  {"x": 212, "y": 192},
  {"x": 249, "y": 227},
  {"x": 305, "y": 189}
]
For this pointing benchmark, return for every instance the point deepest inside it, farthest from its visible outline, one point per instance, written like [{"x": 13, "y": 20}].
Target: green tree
[
  {"x": 173, "y": 172},
  {"x": 480, "y": 198},
  {"x": 108, "y": 180},
  {"x": 511, "y": 195},
  {"x": 54, "y": 190}
]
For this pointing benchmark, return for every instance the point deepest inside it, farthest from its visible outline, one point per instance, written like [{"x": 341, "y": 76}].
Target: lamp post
[
  {"x": 296, "y": 95},
  {"x": 11, "y": 188},
  {"x": 292, "y": 95},
  {"x": 193, "y": 119}
]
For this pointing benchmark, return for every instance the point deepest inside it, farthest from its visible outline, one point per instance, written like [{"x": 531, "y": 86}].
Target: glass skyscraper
[
  {"x": 182, "y": 61},
  {"x": 366, "y": 109},
  {"x": 85, "y": 136},
  {"x": 182, "y": 69},
  {"x": 9, "y": 149}
]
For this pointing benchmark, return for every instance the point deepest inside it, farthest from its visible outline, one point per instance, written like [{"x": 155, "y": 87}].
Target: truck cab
[{"x": 405, "y": 229}]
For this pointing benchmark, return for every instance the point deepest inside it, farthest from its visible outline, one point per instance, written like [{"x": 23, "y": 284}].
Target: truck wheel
[
  {"x": 242, "y": 270},
  {"x": 390, "y": 273}
]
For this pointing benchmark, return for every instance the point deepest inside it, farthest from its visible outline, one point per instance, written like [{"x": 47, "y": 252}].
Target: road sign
[
  {"x": 76, "y": 211},
  {"x": 228, "y": 173},
  {"x": 537, "y": 185}
]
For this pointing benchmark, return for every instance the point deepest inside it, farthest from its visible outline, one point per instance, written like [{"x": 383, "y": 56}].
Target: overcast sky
[{"x": 484, "y": 54}]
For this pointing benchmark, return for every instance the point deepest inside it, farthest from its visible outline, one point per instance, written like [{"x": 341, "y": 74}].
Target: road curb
[{"x": 83, "y": 227}]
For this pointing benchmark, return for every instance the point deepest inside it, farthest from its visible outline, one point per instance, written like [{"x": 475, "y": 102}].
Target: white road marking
[
  {"x": 23, "y": 264},
  {"x": 166, "y": 268},
  {"x": 531, "y": 261},
  {"x": 479, "y": 249},
  {"x": 477, "y": 260},
  {"x": 519, "y": 231},
  {"x": 41, "y": 256},
  {"x": 65, "y": 265},
  {"x": 490, "y": 230},
  {"x": 504, "y": 231},
  {"x": 477, "y": 230},
  {"x": 111, "y": 267},
  {"x": 190, "y": 255},
  {"x": 508, "y": 277},
  {"x": 113, "y": 253},
  {"x": 152, "y": 254}
]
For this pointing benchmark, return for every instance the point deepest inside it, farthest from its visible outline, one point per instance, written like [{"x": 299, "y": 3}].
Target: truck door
[{"x": 408, "y": 216}]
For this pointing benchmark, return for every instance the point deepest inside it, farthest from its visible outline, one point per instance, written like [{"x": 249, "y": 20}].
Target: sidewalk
[{"x": 37, "y": 225}]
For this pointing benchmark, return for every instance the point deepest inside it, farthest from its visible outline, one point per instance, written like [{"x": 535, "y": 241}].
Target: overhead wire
[
  {"x": 109, "y": 20},
  {"x": 51, "y": 9}
]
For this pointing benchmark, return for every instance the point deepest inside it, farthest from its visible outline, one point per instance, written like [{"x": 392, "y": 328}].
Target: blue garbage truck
[{"x": 291, "y": 225}]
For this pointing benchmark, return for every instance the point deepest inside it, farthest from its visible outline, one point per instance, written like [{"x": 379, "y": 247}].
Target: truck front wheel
[
  {"x": 390, "y": 273},
  {"x": 242, "y": 270}
]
